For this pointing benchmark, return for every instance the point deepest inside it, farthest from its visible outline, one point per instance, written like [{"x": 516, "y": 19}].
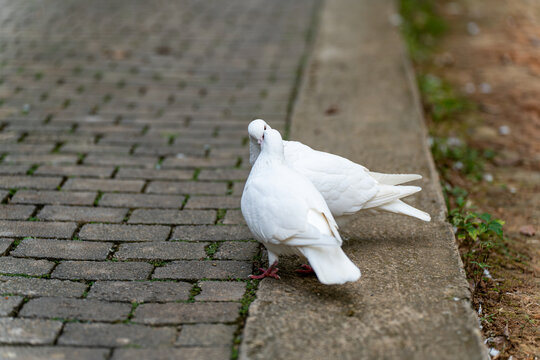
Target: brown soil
[{"x": 499, "y": 69}]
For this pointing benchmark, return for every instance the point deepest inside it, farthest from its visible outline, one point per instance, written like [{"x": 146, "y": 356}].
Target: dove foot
[
  {"x": 270, "y": 272},
  {"x": 305, "y": 269}
]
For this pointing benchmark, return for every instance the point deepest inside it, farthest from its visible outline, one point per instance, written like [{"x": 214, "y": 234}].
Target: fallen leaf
[{"x": 527, "y": 230}]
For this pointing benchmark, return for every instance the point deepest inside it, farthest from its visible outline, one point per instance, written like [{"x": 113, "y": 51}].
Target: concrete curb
[{"x": 358, "y": 98}]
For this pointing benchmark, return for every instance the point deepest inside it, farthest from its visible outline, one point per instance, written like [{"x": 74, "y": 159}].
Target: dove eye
[{"x": 264, "y": 127}]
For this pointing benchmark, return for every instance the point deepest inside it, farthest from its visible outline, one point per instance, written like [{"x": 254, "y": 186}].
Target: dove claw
[
  {"x": 270, "y": 272},
  {"x": 305, "y": 269}
]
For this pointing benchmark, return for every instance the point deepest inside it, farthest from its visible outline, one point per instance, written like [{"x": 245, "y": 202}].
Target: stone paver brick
[
  {"x": 14, "y": 169},
  {"x": 108, "y": 270},
  {"x": 3, "y": 194},
  {"x": 142, "y": 201},
  {"x": 4, "y": 245},
  {"x": 28, "y": 331},
  {"x": 223, "y": 174},
  {"x": 189, "y": 353},
  {"x": 80, "y": 213},
  {"x": 116, "y": 335},
  {"x": 180, "y": 313},
  {"x": 8, "y": 304},
  {"x": 37, "y": 228},
  {"x": 154, "y": 174},
  {"x": 237, "y": 250},
  {"x": 53, "y": 159},
  {"x": 117, "y": 232},
  {"x": 213, "y": 202},
  {"x": 174, "y": 217},
  {"x": 187, "y": 187},
  {"x": 52, "y": 352},
  {"x": 221, "y": 291},
  {"x": 11, "y": 265},
  {"x": 40, "y": 287},
  {"x": 210, "y": 269},
  {"x": 79, "y": 170},
  {"x": 62, "y": 249},
  {"x": 211, "y": 233},
  {"x": 119, "y": 160},
  {"x": 104, "y": 185},
  {"x": 238, "y": 188},
  {"x": 195, "y": 162},
  {"x": 76, "y": 309},
  {"x": 30, "y": 182},
  {"x": 16, "y": 212},
  {"x": 148, "y": 291},
  {"x": 234, "y": 217},
  {"x": 206, "y": 335},
  {"x": 54, "y": 197},
  {"x": 174, "y": 250}
]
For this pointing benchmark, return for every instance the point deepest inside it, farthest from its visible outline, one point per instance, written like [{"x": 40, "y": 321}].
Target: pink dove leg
[
  {"x": 305, "y": 269},
  {"x": 270, "y": 272}
]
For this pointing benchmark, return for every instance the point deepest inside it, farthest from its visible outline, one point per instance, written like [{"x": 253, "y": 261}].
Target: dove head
[
  {"x": 256, "y": 129},
  {"x": 272, "y": 144}
]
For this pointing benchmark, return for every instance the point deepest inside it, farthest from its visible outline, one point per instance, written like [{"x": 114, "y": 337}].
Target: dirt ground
[{"x": 491, "y": 53}]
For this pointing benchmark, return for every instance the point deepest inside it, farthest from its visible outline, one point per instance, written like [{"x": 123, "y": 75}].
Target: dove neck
[
  {"x": 254, "y": 151},
  {"x": 269, "y": 157}
]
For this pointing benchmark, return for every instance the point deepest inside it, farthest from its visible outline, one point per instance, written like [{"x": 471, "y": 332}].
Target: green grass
[{"x": 440, "y": 99}]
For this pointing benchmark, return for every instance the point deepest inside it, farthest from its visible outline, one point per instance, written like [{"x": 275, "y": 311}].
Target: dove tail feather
[
  {"x": 394, "y": 179},
  {"x": 389, "y": 193},
  {"x": 330, "y": 264},
  {"x": 399, "y": 207}
]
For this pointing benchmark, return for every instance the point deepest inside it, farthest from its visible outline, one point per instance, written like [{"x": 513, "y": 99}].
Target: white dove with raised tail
[
  {"x": 346, "y": 186},
  {"x": 287, "y": 214}
]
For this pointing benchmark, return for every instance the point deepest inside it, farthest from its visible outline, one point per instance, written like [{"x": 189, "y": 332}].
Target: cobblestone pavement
[{"x": 122, "y": 157}]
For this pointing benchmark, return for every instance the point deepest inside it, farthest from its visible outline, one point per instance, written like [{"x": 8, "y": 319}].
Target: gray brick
[
  {"x": 82, "y": 214},
  {"x": 234, "y": 217},
  {"x": 174, "y": 217},
  {"x": 53, "y": 159},
  {"x": 53, "y": 352},
  {"x": 238, "y": 188},
  {"x": 221, "y": 291},
  {"x": 40, "y": 287},
  {"x": 223, "y": 174},
  {"x": 16, "y": 212},
  {"x": 206, "y": 335},
  {"x": 237, "y": 250},
  {"x": 184, "y": 313},
  {"x": 76, "y": 170},
  {"x": 142, "y": 201},
  {"x": 137, "y": 161},
  {"x": 161, "y": 251},
  {"x": 30, "y": 182},
  {"x": 62, "y": 249},
  {"x": 4, "y": 245},
  {"x": 77, "y": 309},
  {"x": 8, "y": 304},
  {"x": 213, "y": 202},
  {"x": 195, "y": 162},
  {"x": 187, "y": 187},
  {"x": 104, "y": 185},
  {"x": 54, "y": 197},
  {"x": 211, "y": 233},
  {"x": 116, "y": 335},
  {"x": 28, "y": 331},
  {"x": 210, "y": 269},
  {"x": 139, "y": 291},
  {"x": 37, "y": 229},
  {"x": 10, "y": 265},
  {"x": 91, "y": 270},
  {"x": 154, "y": 174},
  {"x": 214, "y": 353},
  {"x": 14, "y": 169},
  {"x": 117, "y": 232},
  {"x": 94, "y": 148}
]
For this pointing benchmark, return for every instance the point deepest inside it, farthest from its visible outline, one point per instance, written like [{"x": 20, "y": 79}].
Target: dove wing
[{"x": 346, "y": 186}]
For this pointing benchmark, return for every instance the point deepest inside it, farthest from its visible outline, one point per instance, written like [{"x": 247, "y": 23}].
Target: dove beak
[{"x": 260, "y": 140}]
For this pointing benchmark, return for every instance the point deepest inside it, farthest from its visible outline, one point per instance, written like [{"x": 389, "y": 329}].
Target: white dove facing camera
[
  {"x": 287, "y": 214},
  {"x": 346, "y": 186}
]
